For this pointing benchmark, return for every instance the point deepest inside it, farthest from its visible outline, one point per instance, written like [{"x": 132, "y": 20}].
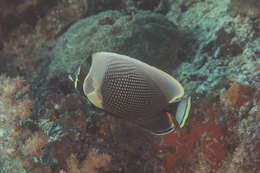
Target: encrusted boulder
[
  {"x": 250, "y": 8},
  {"x": 143, "y": 34}
]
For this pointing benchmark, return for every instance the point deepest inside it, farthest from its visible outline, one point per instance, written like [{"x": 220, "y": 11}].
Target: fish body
[{"x": 134, "y": 91}]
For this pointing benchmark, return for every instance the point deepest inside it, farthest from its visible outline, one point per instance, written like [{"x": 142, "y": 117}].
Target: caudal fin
[
  {"x": 183, "y": 110},
  {"x": 164, "y": 123}
]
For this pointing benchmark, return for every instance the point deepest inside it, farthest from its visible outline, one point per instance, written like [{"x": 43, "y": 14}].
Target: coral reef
[
  {"x": 33, "y": 145},
  {"x": 211, "y": 47},
  {"x": 23, "y": 10},
  {"x": 37, "y": 27},
  {"x": 94, "y": 162},
  {"x": 18, "y": 145},
  {"x": 237, "y": 95},
  {"x": 204, "y": 134}
]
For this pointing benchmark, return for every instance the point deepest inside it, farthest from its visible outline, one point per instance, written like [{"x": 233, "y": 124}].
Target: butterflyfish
[{"x": 134, "y": 91}]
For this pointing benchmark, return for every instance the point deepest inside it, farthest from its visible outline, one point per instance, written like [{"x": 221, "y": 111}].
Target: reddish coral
[
  {"x": 207, "y": 132},
  {"x": 23, "y": 91},
  {"x": 15, "y": 146},
  {"x": 33, "y": 146},
  {"x": 238, "y": 95},
  {"x": 68, "y": 145},
  {"x": 94, "y": 161},
  {"x": 10, "y": 86},
  {"x": 107, "y": 126},
  {"x": 23, "y": 108}
]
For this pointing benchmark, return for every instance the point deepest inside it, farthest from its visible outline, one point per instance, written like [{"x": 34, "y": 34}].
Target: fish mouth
[{"x": 74, "y": 77}]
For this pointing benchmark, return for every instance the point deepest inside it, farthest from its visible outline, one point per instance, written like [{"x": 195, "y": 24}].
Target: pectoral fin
[{"x": 159, "y": 125}]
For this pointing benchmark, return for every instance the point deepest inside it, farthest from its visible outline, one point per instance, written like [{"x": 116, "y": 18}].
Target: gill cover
[{"x": 133, "y": 90}]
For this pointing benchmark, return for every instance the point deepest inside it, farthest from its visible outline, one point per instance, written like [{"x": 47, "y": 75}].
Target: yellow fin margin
[{"x": 187, "y": 111}]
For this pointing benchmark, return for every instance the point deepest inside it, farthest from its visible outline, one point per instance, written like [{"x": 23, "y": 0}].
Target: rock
[
  {"x": 143, "y": 4},
  {"x": 15, "y": 13},
  {"x": 145, "y": 35},
  {"x": 96, "y": 6},
  {"x": 237, "y": 95},
  {"x": 258, "y": 112},
  {"x": 250, "y": 8}
]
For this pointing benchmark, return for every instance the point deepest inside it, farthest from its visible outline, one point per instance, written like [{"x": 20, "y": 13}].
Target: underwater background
[{"x": 212, "y": 47}]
